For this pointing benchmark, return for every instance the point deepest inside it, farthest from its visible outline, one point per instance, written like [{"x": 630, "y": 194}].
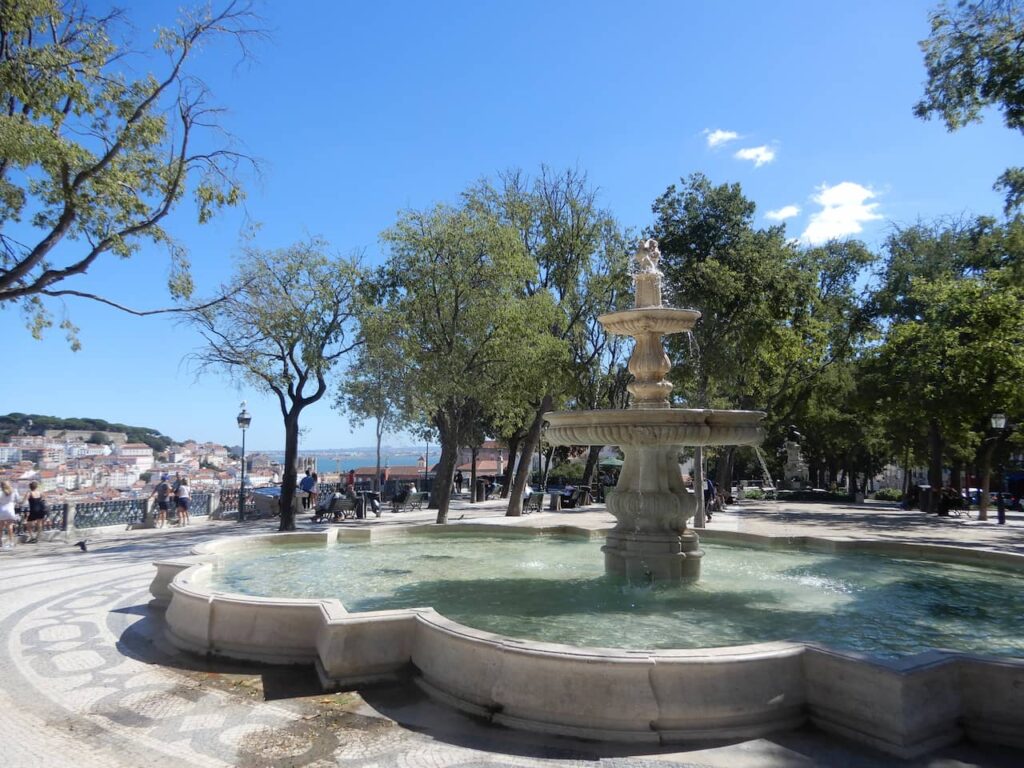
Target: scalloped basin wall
[{"x": 905, "y": 707}]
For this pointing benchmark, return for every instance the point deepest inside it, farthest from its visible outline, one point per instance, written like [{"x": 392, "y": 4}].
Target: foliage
[
  {"x": 374, "y": 386},
  {"x": 753, "y": 493},
  {"x": 36, "y": 424},
  {"x": 286, "y": 323},
  {"x": 472, "y": 342},
  {"x": 973, "y": 61},
  {"x": 889, "y": 494},
  {"x": 580, "y": 256},
  {"x": 92, "y": 157}
]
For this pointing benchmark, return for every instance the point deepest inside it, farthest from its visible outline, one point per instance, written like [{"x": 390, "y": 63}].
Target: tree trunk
[
  {"x": 506, "y": 475},
  {"x": 723, "y": 477},
  {"x": 515, "y": 502},
  {"x": 935, "y": 446},
  {"x": 288, "y": 481},
  {"x": 442, "y": 492},
  {"x": 985, "y": 478},
  {"x": 473, "y": 454},
  {"x": 376, "y": 475},
  {"x": 588, "y": 470}
]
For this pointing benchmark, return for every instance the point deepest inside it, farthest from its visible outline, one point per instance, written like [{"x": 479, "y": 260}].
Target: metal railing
[{"x": 94, "y": 514}]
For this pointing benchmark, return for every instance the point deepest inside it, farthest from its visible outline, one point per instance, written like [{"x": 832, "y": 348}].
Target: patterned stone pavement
[{"x": 86, "y": 680}]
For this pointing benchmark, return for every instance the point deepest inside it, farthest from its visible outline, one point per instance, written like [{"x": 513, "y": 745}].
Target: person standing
[
  {"x": 182, "y": 501},
  {"x": 306, "y": 485},
  {"x": 162, "y": 492},
  {"x": 314, "y": 488},
  {"x": 36, "y": 512},
  {"x": 350, "y": 480},
  {"x": 9, "y": 499},
  {"x": 458, "y": 481}
]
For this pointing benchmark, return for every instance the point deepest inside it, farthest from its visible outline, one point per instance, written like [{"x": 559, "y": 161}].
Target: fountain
[
  {"x": 355, "y": 603},
  {"x": 651, "y": 506}
]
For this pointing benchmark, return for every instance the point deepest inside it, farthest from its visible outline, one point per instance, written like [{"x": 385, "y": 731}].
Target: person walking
[
  {"x": 9, "y": 499},
  {"x": 182, "y": 501},
  {"x": 37, "y": 510},
  {"x": 162, "y": 492}
]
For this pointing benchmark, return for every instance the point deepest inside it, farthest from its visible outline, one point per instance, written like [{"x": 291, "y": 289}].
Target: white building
[{"x": 139, "y": 454}]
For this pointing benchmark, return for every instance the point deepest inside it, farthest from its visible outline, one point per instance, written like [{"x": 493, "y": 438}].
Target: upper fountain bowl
[
  {"x": 662, "y": 320},
  {"x": 655, "y": 426}
]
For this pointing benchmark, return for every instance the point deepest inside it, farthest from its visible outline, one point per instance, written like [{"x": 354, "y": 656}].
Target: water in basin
[{"x": 555, "y": 589}]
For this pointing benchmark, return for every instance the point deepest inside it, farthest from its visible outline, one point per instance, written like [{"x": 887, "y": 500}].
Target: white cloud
[
  {"x": 760, "y": 155},
  {"x": 783, "y": 213},
  {"x": 718, "y": 136},
  {"x": 844, "y": 209}
]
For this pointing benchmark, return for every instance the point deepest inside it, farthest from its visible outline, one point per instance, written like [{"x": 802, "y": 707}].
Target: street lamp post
[
  {"x": 999, "y": 423},
  {"x": 243, "y": 424}
]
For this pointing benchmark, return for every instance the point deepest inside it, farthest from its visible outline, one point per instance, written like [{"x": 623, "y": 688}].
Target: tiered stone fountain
[{"x": 650, "y": 540}]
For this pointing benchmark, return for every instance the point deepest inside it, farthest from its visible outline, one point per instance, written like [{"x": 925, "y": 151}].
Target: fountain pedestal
[{"x": 650, "y": 540}]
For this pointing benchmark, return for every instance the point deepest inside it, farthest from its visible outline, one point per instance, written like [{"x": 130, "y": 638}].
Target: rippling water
[{"x": 555, "y": 589}]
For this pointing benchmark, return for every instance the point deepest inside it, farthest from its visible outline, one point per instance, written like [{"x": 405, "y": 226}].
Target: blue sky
[{"x": 358, "y": 110}]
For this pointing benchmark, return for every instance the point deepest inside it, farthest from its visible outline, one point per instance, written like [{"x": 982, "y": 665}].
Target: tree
[
  {"x": 973, "y": 58},
  {"x": 287, "y": 321},
  {"x": 374, "y": 386},
  {"x": 91, "y": 159},
  {"x": 579, "y": 250},
  {"x": 953, "y": 349},
  {"x": 461, "y": 322}
]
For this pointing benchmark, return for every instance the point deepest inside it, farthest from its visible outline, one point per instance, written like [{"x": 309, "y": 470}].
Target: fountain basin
[
  {"x": 904, "y": 706},
  {"x": 658, "y": 320},
  {"x": 655, "y": 427}
]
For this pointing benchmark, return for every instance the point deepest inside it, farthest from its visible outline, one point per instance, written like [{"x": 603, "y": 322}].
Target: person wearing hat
[{"x": 162, "y": 492}]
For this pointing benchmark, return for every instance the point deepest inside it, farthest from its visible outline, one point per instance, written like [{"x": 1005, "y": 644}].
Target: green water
[{"x": 554, "y": 589}]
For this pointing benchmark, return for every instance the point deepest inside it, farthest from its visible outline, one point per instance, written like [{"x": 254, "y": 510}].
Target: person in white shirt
[{"x": 9, "y": 499}]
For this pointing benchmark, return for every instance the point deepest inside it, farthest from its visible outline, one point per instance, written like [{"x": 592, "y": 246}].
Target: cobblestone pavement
[{"x": 86, "y": 680}]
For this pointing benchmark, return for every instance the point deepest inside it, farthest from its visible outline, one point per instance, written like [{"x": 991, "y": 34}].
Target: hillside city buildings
[{"x": 68, "y": 468}]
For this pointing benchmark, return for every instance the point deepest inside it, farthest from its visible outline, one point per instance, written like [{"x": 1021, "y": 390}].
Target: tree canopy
[
  {"x": 973, "y": 58},
  {"x": 92, "y": 157}
]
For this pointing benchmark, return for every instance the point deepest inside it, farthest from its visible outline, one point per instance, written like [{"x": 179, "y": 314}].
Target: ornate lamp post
[
  {"x": 999, "y": 424},
  {"x": 243, "y": 424}
]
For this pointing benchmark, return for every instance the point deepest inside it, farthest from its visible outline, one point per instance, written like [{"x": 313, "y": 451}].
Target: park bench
[
  {"x": 534, "y": 503},
  {"x": 338, "y": 508},
  {"x": 414, "y": 501}
]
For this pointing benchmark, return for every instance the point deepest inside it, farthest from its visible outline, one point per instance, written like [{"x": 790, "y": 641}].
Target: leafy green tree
[
  {"x": 580, "y": 254},
  {"x": 93, "y": 158},
  {"x": 374, "y": 386},
  {"x": 288, "y": 319},
  {"x": 469, "y": 336},
  {"x": 953, "y": 348},
  {"x": 973, "y": 58}
]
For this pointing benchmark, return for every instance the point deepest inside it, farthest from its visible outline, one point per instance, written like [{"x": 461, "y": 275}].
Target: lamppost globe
[
  {"x": 998, "y": 421},
  {"x": 244, "y": 419}
]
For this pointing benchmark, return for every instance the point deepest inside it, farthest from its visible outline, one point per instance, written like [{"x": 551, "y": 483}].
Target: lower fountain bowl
[{"x": 655, "y": 426}]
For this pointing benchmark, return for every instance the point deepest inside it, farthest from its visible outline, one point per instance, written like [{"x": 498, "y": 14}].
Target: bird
[{"x": 81, "y": 545}]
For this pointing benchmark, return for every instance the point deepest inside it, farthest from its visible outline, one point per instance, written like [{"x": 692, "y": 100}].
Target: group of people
[
  {"x": 34, "y": 521},
  {"x": 167, "y": 493}
]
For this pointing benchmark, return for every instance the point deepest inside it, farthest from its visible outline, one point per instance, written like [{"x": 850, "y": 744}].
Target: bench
[
  {"x": 414, "y": 501},
  {"x": 534, "y": 503},
  {"x": 339, "y": 508}
]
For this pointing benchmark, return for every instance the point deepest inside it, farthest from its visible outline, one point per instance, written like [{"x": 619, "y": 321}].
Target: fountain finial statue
[{"x": 647, "y": 276}]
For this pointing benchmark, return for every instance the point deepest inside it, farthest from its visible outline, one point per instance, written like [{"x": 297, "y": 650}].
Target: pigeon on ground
[{"x": 81, "y": 545}]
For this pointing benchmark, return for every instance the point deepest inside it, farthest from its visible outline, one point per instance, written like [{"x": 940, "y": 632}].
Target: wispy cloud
[
  {"x": 783, "y": 213},
  {"x": 718, "y": 137},
  {"x": 844, "y": 210},
  {"x": 759, "y": 155}
]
